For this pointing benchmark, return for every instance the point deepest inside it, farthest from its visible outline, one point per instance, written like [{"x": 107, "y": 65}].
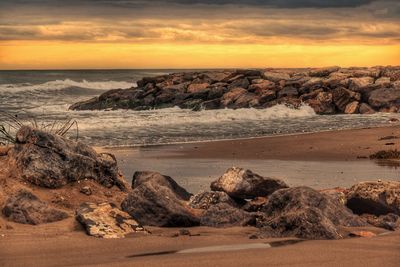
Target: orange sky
[{"x": 52, "y": 34}]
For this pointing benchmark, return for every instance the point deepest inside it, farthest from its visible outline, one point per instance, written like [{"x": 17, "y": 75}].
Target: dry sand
[{"x": 65, "y": 243}]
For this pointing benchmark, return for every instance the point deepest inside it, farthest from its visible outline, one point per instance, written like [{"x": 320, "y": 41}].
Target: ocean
[{"x": 46, "y": 95}]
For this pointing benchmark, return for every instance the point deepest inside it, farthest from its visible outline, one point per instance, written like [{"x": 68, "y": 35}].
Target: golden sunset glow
[{"x": 46, "y": 34}]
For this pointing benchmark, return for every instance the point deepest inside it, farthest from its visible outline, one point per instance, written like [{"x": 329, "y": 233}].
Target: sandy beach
[{"x": 66, "y": 244}]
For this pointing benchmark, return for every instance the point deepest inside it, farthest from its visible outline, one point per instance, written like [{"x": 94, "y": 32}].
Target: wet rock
[
  {"x": 356, "y": 84},
  {"x": 196, "y": 88},
  {"x": 305, "y": 213},
  {"x": 106, "y": 221},
  {"x": 322, "y": 72},
  {"x": 389, "y": 221},
  {"x": 230, "y": 97},
  {"x": 204, "y": 200},
  {"x": 239, "y": 83},
  {"x": 276, "y": 76},
  {"x": 245, "y": 100},
  {"x": 51, "y": 161},
  {"x": 157, "y": 200},
  {"x": 216, "y": 92},
  {"x": 377, "y": 198},
  {"x": 26, "y": 208},
  {"x": 322, "y": 104},
  {"x": 384, "y": 97},
  {"x": 342, "y": 97},
  {"x": 352, "y": 108},
  {"x": 224, "y": 215},
  {"x": 266, "y": 96},
  {"x": 366, "y": 109},
  {"x": 211, "y": 104},
  {"x": 288, "y": 92},
  {"x": 244, "y": 184},
  {"x": 260, "y": 85}
]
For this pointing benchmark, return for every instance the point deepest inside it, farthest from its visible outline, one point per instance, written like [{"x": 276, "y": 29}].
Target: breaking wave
[{"x": 65, "y": 84}]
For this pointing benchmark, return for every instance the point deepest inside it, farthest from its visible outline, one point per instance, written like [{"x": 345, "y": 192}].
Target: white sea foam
[{"x": 63, "y": 84}]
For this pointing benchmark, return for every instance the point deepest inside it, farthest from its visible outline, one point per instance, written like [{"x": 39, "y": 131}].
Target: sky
[{"x": 119, "y": 34}]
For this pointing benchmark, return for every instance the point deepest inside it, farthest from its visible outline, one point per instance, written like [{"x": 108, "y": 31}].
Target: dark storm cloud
[{"x": 270, "y": 3}]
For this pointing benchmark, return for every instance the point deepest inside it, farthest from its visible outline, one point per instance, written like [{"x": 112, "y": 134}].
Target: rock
[
  {"x": 389, "y": 221},
  {"x": 314, "y": 82},
  {"x": 383, "y": 82},
  {"x": 305, "y": 213},
  {"x": 143, "y": 177},
  {"x": 377, "y": 198},
  {"x": 352, "y": 108},
  {"x": 230, "y": 97},
  {"x": 255, "y": 204},
  {"x": 204, "y": 200},
  {"x": 322, "y": 72},
  {"x": 339, "y": 194},
  {"x": 211, "y": 104},
  {"x": 342, "y": 97},
  {"x": 157, "y": 200},
  {"x": 239, "y": 83},
  {"x": 216, "y": 92},
  {"x": 244, "y": 184},
  {"x": 356, "y": 84},
  {"x": 216, "y": 76},
  {"x": 276, "y": 76},
  {"x": 106, "y": 221},
  {"x": 4, "y": 150},
  {"x": 366, "y": 109},
  {"x": 288, "y": 92},
  {"x": 195, "y": 88},
  {"x": 266, "y": 96},
  {"x": 224, "y": 215},
  {"x": 322, "y": 104},
  {"x": 26, "y": 208},
  {"x": 245, "y": 100},
  {"x": 261, "y": 85},
  {"x": 86, "y": 190},
  {"x": 384, "y": 97},
  {"x": 51, "y": 161}
]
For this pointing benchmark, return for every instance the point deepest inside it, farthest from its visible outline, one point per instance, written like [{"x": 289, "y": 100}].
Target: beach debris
[
  {"x": 105, "y": 220},
  {"x": 49, "y": 160},
  {"x": 305, "y": 213},
  {"x": 377, "y": 198},
  {"x": 225, "y": 215},
  {"x": 26, "y": 208},
  {"x": 157, "y": 200},
  {"x": 386, "y": 154},
  {"x": 244, "y": 184},
  {"x": 205, "y": 200},
  {"x": 389, "y": 137},
  {"x": 361, "y": 234}
]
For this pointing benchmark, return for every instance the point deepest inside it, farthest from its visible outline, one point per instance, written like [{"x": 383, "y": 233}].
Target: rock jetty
[{"x": 331, "y": 90}]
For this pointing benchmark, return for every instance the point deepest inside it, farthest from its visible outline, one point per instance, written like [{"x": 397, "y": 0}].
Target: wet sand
[{"x": 65, "y": 243}]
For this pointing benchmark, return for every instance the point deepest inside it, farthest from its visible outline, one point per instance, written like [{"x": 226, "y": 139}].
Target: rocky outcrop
[
  {"x": 49, "y": 160},
  {"x": 158, "y": 201},
  {"x": 305, "y": 213},
  {"x": 26, "y": 208},
  {"x": 106, "y": 221},
  {"x": 244, "y": 184},
  {"x": 389, "y": 221},
  {"x": 377, "y": 198},
  {"x": 329, "y": 90}
]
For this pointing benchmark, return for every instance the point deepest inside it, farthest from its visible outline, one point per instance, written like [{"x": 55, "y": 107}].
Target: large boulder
[
  {"x": 26, "y": 208},
  {"x": 276, "y": 76},
  {"x": 342, "y": 97},
  {"x": 305, "y": 213},
  {"x": 384, "y": 97},
  {"x": 322, "y": 72},
  {"x": 158, "y": 201},
  {"x": 225, "y": 215},
  {"x": 49, "y": 160},
  {"x": 106, "y": 221},
  {"x": 244, "y": 184},
  {"x": 377, "y": 198}
]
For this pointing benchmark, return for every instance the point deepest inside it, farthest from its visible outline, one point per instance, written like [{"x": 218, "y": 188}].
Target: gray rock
[
  {"x": 305, "y": 213},
  {"x": 158, "y": 201},
  {"x": 49, "y": 160},
  {"x": 384, "y": 97},
  {"x": 26, "y": 208},
  {"x": 244, "y": 184}
]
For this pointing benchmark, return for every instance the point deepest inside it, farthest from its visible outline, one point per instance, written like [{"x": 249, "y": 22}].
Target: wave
[{"x": 65, "y": 84}]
